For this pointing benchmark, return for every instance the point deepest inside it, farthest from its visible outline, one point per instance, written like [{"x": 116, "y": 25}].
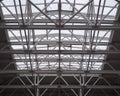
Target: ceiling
[{"x": 59, "y": 48}]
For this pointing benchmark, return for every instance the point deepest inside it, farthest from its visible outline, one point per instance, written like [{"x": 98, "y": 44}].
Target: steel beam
[
  {"x": 56, "y": 20},
  {"x": 56, "y": 60},
  {"x": 62, "y": 42},
  {"x": 59, "y": 86},
  {"x": 64, "y": 75},
  {"x": 62, "y": 60},
  {"x": 55, "y": 42},
  {"x": 62, "y": 72},
  {"x": 57, "y": 52},
  {"x": 65, "y": 27}
]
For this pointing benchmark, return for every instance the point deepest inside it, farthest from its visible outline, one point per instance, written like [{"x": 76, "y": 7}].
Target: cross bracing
[{"x": 60, "y": 38}]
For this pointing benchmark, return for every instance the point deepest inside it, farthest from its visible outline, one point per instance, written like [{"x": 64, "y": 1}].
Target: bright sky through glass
[{"x": 48, "y": 39}]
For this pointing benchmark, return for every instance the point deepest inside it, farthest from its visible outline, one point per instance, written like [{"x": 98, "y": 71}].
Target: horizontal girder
[
  {"x": 62, "y": 60},
  {"x": 60, "y": 86},
  {"x": 57, "y": 71},
  {"x": 56, "y": 20},
  {"x": 56, "y": 42},
  {"x": 65, "y": 27},
  {"x": 58, "y": 52}
]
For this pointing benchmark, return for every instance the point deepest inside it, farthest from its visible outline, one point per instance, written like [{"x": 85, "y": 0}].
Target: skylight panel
[
  {"x": 95, "y": 65},
  {"x": 51, "y": 40}
]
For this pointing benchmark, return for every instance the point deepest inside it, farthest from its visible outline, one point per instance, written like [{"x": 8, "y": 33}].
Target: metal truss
[
  {"x": 62, "y": 60},
  {"x": 57, "y": 51},
  {"x": 66, "y": 27},
  {"x": 62, "y": 86},
  {"x": 59, "y": 38},
  {"x": 59, "y": 72}
]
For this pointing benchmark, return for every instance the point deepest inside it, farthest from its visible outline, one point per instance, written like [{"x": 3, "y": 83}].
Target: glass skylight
[{"x": 49, "y": 40}]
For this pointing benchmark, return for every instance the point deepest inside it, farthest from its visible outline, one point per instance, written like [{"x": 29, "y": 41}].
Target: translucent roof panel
[
  {"x": 49, "y": 41},
  {"x": 107, "y": 9},
  {"x": 52, "y": 13}
]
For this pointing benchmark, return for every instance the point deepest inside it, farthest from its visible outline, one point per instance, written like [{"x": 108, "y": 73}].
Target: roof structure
[{"x": 59, "y": 48}]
